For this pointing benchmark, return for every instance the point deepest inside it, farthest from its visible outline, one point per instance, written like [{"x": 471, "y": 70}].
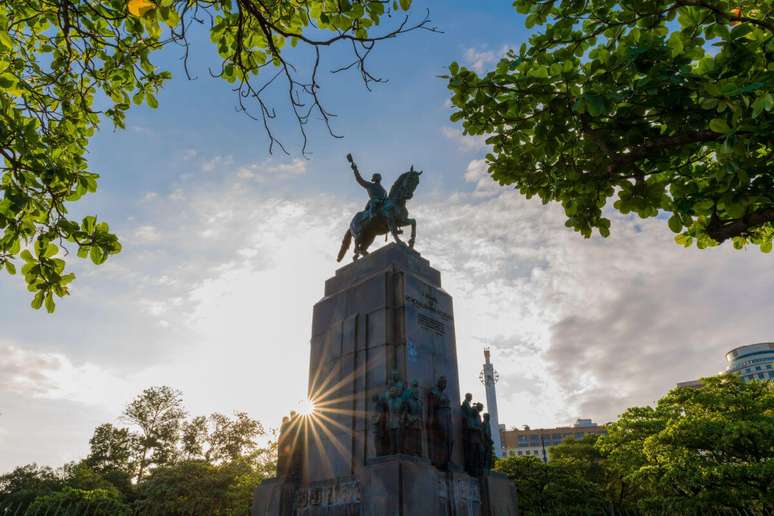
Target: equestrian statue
[{"x": 384, "y": 213}]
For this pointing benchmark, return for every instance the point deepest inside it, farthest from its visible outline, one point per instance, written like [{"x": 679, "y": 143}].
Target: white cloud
[
  {"x": 479, "y": 60},
  {"x": 147, "y": 234},
  {"x": 587, "y": 327},
  {"x": 477, "y": 173},
  {"x": 217, "y": 163},
  {"x": 465, "y": 142},
  {"x": 265, "y": 169},
  {"x": 53, "y": 376}
]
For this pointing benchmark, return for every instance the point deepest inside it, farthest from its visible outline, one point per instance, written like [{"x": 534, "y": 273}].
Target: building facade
[
  {"x": 754, "y": 362},
  {"x": 537, "y": 441}
]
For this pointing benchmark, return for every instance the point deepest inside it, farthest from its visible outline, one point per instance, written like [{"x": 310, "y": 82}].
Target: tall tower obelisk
[{"x": 489, "y": 378}]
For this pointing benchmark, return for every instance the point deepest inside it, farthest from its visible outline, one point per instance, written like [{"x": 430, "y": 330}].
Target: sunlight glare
[{"x": 306, "y": 407}]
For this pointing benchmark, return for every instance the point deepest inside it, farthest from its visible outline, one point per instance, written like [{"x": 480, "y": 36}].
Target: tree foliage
[
  {"x": 663, "y": 106},
  {"x": 158, "y": 413},
  {"x": 66, "y": 66},
  {"x": 99, "y": 502},
  {"x": 697, "y": 451},
  {"x": 151, "y": 467},
  {"x": 551, "y": 488},
  {"x": 24, "y": 484},
  {"x": 200, "y": 487}
]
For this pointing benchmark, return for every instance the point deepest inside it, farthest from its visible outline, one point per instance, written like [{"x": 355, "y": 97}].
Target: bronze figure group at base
[
  {"x": 398, "y": 421},
  {"x": 398, "y": 424},
  {"x": 477, "y": 436},
  {"x": 290, "y": 446}
]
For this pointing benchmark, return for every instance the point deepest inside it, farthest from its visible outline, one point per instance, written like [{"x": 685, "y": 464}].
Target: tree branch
[{"x": 721, "y": 231}]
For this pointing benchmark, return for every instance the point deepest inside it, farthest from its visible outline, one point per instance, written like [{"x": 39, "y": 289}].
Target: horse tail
[{"x": 344, "y": 245}]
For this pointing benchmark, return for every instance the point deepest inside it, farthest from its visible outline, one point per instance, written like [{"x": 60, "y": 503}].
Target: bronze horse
[{"x": 390, "y": 216}]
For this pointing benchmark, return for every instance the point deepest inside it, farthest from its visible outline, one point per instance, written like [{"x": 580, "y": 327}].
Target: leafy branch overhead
[
  {"x": 68, "y": 65},
  {"x": 663, "y": 106}
]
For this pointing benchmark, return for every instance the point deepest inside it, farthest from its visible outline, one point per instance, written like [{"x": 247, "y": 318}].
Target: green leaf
[
  {"x": 405, "y": 4},
  {"x": 50, "y": 303},
  {"x": 10, "y": 267},
  {"x": 676, "y": 43},
  {"x": 684, "y": 240},
  {"x": 539, "y": 72},
  {"x": 37, "y": 301},
  {"x": 719, "y": 126},
  {"x": 675, "y": 224},
  {"x": 766, "y": 246},
  {"x": 8, "y": 81},
  {"x": 5, "y": 40},
  {"x": 764, "y": 102},
  {"x": 97, "y": 255},
  {"x": 595, "y": 104}
]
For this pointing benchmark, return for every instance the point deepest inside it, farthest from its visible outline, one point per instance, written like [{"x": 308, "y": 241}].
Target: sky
[{"x": 226, "y": 249}]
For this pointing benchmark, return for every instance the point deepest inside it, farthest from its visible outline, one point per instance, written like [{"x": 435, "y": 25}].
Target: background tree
[
  {"x": 231, "y": 439},
  {"x": 551, "y": 488},
  {"x": 99, "y": 502},
  {"x": 583, "y": 459},
  {"x": 68, "y": 65},
  {"x": 699, "y": 449},
  {"x": 207, "y": 465},
  {"x": 531, "y": 477},
  {"x": 158, "y": 414},
  {"x": 112, "y": 455},
  {"x": 111, "y": 448},
  {"x": 20, "y": 487},
  {"x": 664, "y": 106},
  {"x": 194, "y": 438}
]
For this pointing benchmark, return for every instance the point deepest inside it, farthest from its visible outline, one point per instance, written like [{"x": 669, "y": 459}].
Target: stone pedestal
[{"x": 383, "y": 313}]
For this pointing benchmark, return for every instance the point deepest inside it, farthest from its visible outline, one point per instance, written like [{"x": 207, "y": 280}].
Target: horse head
[{"x": 404, "y": 186}]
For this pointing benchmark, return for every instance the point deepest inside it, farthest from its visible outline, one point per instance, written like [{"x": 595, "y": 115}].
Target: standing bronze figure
[
  {"x": 473, "y": 445},
  {"x": 440, "y": 425},
  {"x": 486, "y": 432},
  {"x": 384, "y": 213},
  {"x": 412, "y": 421}
]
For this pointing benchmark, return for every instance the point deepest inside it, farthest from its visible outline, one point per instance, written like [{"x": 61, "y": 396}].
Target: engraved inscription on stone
[
  {"x": 431, "y": 324},
  {"x": 328, "y": 495},
  {"x": 429, "y": 316}
]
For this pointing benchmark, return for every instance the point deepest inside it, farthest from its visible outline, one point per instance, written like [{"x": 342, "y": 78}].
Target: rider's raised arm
[{"x": 362, "y": 182}]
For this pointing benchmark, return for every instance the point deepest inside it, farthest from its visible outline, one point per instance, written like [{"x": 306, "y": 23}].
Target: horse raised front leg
[{"x": 413, "y": 232}]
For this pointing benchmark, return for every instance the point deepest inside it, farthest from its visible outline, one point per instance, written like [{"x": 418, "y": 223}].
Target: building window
[
  {"x": 757, "y": 368},
  {"x": 768, "y": 366},
  {"x": 747, "y": 370},
  {"x": 761, "y": 376}
]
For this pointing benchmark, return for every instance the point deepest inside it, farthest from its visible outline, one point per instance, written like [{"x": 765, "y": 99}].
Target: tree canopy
[
  {"x": 698, "y": 450},
  {"x": 151, "y": 467},
  {"x": 67, "y": 66},
  {"x": 658, "y": 108}
]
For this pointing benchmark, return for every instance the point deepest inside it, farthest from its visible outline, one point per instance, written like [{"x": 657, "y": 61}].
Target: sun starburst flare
[{"x": 306, "y": 407}]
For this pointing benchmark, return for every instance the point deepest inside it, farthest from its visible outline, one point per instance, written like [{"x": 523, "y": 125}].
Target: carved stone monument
[{"x": 386, "y": 436}]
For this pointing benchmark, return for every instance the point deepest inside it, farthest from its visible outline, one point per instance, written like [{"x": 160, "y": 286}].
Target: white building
[
  {"x": 489, "y": 377},
  {"x": 752, "y": 362},
  {"x": 536, "y": 442}
]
